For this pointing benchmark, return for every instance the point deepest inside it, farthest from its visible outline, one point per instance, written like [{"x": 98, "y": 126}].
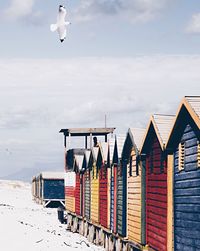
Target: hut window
[
  {"x": 181, "y": 156},
  {"x": 198, "y": 154},
  {"x": 130, "y": 166}
]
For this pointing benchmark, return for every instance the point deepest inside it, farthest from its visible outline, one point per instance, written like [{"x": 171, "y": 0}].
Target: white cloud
[
  {"x": 38, "y": 98},
  {"x": 19, "y": 9},
  {"x": 133, "y": 10},
  {"x": 194, "y": 24}
]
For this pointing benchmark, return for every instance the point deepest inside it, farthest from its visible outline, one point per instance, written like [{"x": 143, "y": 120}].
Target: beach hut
[
  {"x": 156, "y": 180},
  {"x": 94, "y": 175},
  {"x": 70, "y": 184},
  {"x": 121, "y": 186},
  {"x": 87, "y": 184},
  {"x": 135, "y": 186},
  {"x": 51, "y": 189},
  {"x": 113, "y": 186},
  {"x": 34, "y": 187},
  {"x": 78, "y": 168},
  {"x": 104, "y": 206},
  {"x": 184, "y": 164}
]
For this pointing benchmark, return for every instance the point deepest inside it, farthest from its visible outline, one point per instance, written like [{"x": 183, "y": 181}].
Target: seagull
[{"x": 61, "y": 24}]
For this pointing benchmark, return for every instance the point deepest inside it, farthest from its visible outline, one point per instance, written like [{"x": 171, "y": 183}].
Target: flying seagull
[{"x": 61, "y": 24}]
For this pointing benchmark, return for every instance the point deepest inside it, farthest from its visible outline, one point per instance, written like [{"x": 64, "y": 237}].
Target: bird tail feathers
[{"x": 53, "y": 27}]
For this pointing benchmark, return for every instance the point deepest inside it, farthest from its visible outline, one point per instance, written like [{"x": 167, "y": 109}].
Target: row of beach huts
[{"x": 139, "y": 191}]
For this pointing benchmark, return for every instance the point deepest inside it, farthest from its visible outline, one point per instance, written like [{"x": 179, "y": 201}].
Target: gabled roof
[
  {"x": 162, "y": 124},
  {"x": 192, "y": 106},
  {"x": 118, "y": 148},
  {"x": 136, "y": 135},
  {"x": 111, "y": 143},
  {"x": 104, "y": 151},
  {"x": 95, "y": 152},
  {"x": 79, "y": 161},
  {"x": 87, "y": 158}
]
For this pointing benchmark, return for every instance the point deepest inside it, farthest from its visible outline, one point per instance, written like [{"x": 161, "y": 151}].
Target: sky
[{"x": 125, "y": 59}]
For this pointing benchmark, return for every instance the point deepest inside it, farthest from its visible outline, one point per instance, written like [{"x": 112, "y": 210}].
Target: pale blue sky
[
  {"x": 104, "y": 34},
  {"x": 123, "y": 58}
]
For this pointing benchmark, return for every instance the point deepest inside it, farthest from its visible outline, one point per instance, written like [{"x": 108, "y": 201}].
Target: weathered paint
[
  {"x": 134, "y": 211},
  {"x": 103, "y": 196},
  {"x": 121, "y": 198},
  {"x": 87, "y": 195},
  {"x": 113, "y": 197},
  {"x": 94, "y": 174},
  {"x": 156, "y": 196},
  {"x": 70, "y": 183},
  {"x": 170, "y": 203},
  {"x": 187, "y": 195},
  {"x": 78, "y": 194},
  {"x": 53, "y": 189}
]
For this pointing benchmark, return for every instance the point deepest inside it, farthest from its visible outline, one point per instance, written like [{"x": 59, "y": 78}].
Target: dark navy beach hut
[
  {"x": 121, "y": 214},
  {"x": 184, "y": 146},
  {"x": 52, "y": 189}
]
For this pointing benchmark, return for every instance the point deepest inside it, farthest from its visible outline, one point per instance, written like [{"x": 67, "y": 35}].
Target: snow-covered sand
[{"x": 24, "y": 225}]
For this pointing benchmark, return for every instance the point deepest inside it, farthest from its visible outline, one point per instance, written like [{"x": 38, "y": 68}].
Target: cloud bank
[
  {"x": 39, "y": 97},
  {"x": 133, "y": 10}
]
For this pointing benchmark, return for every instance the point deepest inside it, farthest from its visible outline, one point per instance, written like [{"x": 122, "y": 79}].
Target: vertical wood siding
[
  {"x": 70, "y": 198},
  {"x": 112, "y": 199},
  {"x": 94, "y": 194},
  {"x": 115, "y": 200},
  {"x": 134, "y": 200},
  {"x": 53, "y": 189},
  {"x": 121, "y": 198},
  {"x": 87, "y": 194},
  {"x": 78, "y": 195},
  {"x": 156, "y": 198},
  {"x": 187, "y": 196},
  {"x": 103, "y": 196}
]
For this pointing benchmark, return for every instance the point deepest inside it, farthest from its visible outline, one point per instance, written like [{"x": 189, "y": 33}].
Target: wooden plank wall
[
  {"x": 94, "y": 194},
  {"x": 115, "y": 199},
  {"x": 103, "y": 197},
  {"x": 87, "y": 194},
  {"x": 187, "y": 196},
  {"x": 112, "y": 199},
  {"x": 121, "y": 198},
  {"x": 70, "y": 198},
  {"x": 156, "y": 198},
  {"x": 134, "y": 200},
  {"x": 78, "y": 195},
  {"x": 53, "y": 189}
]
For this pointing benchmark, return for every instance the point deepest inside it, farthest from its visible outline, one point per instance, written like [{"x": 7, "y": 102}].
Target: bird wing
[
  {"x": 62, "y": 32},
  {"x": 61, "y": 16}
]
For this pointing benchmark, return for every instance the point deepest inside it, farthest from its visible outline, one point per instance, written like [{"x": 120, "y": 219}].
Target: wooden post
[{"x": 170, "y": 203}]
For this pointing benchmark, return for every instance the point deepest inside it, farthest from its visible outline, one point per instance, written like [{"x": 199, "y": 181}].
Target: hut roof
[
  {"x": 95, "y": 152},
  {"x": 87, "y": 159},
  {"x": 52, "y": 175},
  {"x": 137, "y": 135},
  {"x": 162, "y": 124},
  {"x": 111, "y": 143},
  {"x": 120, "y": 139},
  {"x": 79, "y": 161},
  {"x": 191, "y": 105},
  {"x": 104, "y": 151}
]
